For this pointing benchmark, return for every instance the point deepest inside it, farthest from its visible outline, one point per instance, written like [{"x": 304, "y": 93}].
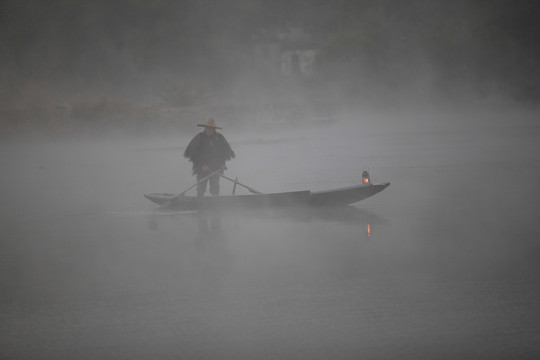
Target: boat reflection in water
[{"x": 211, "y": 221}]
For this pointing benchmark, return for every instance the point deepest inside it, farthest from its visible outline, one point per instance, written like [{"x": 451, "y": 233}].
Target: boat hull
[
  {"x": 335, "y": 197},
  {"x": 345, "y": 196},
  {"x": 259, "y": 200}
]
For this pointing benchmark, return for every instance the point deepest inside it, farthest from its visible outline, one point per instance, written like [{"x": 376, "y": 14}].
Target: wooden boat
[{"x": 334, "y": 197}]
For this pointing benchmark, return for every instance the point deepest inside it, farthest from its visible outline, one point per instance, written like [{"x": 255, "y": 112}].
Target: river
[{"x": 442, "y": 264}]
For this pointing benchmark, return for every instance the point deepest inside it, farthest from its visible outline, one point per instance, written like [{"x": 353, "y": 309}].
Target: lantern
[{"x": 365, "y": 178}]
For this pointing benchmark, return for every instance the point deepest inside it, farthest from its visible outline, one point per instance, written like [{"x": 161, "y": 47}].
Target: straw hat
[{"x": 209, "y": 123}]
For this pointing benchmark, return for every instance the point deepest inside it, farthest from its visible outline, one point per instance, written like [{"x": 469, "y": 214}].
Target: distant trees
[
  {"x": 480, "y": 44},
  {"x": 99, "y": 46}
]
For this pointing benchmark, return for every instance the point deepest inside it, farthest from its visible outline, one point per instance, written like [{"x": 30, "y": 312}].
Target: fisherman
[{"x": 208, "y": 151}]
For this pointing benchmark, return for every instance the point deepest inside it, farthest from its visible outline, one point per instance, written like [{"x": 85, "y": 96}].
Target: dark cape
[{"x": 200, "y": 153}]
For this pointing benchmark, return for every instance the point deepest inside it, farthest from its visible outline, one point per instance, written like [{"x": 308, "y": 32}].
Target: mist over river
[{"x": 445, "y": 263}]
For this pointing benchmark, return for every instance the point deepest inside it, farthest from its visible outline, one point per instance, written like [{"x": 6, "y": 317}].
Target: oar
[
  {"x": 234, "y": 187},
  {"x": 253, "y": 191},
  {"x": 191, "y": 187}
]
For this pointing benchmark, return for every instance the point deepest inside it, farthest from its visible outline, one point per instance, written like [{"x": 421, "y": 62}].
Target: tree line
[{"x": 97, "y": 46}]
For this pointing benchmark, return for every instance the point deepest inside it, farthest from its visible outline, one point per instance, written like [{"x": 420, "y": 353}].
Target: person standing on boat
[{"x": 208, "y": 151}]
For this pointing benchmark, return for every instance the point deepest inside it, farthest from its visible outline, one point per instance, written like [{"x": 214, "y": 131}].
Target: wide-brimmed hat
[{"x": 209, "y": 123}]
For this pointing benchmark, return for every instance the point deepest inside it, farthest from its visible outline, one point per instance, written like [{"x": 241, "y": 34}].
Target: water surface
[{"x": 442, "y": 264}]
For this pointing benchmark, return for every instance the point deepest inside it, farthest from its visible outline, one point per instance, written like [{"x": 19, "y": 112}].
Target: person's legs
[
  {"x": 201, "y": 187},
  {"x": 214, "y": 185}
]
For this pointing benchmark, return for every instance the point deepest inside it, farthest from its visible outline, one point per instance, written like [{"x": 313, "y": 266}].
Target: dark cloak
[{"x": 200, "y": 152}]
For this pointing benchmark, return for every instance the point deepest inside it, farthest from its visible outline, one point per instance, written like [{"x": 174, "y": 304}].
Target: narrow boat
[{"x": 335, "y": 197}]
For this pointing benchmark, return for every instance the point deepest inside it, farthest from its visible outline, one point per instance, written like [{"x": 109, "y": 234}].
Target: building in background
[{"x": 287, "y": 52}]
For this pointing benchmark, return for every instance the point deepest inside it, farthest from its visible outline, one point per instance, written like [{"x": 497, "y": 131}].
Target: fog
[
  {"x": 445, "y": 259},
  {"x": 441, "y": 264}
]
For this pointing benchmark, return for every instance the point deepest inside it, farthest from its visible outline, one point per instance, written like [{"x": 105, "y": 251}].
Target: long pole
[
  {"x": 253, "y": 191},
  {"x": 197, "y": 183}
]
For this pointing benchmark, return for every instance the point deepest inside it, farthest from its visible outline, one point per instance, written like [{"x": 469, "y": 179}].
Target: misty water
[{"x": 442, "y": 264}]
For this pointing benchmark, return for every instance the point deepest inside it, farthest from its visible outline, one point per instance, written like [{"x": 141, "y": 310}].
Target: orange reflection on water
[{"x": 368, "y": 228}]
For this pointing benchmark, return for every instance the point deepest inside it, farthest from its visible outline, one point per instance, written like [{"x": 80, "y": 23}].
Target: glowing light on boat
[{"x": 365, "y": 178}]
